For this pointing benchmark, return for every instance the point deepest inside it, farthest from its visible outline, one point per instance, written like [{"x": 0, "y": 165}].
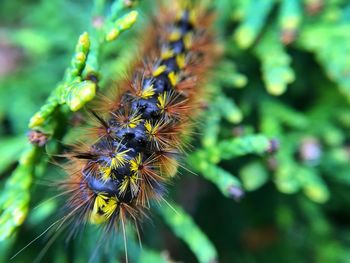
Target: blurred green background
[{"x": 271, "y": 153}]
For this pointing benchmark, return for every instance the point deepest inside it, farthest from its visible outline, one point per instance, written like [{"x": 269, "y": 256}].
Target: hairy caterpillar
[{"x": 142, "y": 132}]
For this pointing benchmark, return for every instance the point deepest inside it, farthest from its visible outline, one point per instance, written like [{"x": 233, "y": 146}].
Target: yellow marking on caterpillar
[
  {"x": 186, "y": 6},
  {"x": 173, "y": 77},
  {"x": 147, "y": 92},
  {"x": 175, "y": 35},
  {"x": 151, "y": 130},
  {"x": 119, "y": 159},
  {"x": 104, "y": 207},
  {"x": 148, "y": 127},
  {"x": 105, "y": 172},
  {"x": 129, "y": 180},
  {"x": 179, "y": 15},
  {"x": 159, "y": 70},
  {"x": 162, "y": 101},
  {"x": 167, "y": 54},
  {"x": 188, "y": 39},
  {"x": 192, "y": 16},
  {"x": 181, "y": 60},
  {"x": 135, "y": 163},
  {"x": 135, "y": 120}
]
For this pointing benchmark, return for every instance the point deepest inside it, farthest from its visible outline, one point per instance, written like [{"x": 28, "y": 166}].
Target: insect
[
  {"x": 139, "y": 139},
  {"x": 142, "y": 132}
]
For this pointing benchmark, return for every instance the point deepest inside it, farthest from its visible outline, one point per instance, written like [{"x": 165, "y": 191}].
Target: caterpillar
[{"x": 142, "y": 132}]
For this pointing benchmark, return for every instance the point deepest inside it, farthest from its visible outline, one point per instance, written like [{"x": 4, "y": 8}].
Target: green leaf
[
  {"x": 185, "y": 228},
  {"x": 249, "y": 144},
  {"x": 227, "y": 183},
  {"x": 275, "y": 63},
  {"x": 253, "y": 175},
  {"x": 148, "y": 255},
  {"x": 313, "y": 185},
  {"x": 253, "y": 22},
  {"x": 10, "y": 149}
]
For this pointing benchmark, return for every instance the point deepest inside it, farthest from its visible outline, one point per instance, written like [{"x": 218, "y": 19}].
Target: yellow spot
[
  {"x": 173, "y": 78},
  {"x": 105, "y": 173},
  {"x": 80, "y": 57},
  {"x": 193, "y": 17},
  {"x": 148, "y": 126},
  {"x": 84, "y": 41},
  {"x": 181, "y": 60},
  {"x": 162, "y": 101},
  {"x": 188, "y": 40},
  {"x": 135, "y": 163},
  {"x": 175, "y": 35},
  {"x": 179, "y": 15},
  {"x": 147, "y": 92},
  {"x": 112, "y": 34},
  {"x": 119, "y": 159},
  {"x": 36, "y": 120},
  {"x": 151, "y": 130},
  {"x": 167, "y": 54},
  {"x": 104, "y": 207},
  {"x": 124, "y": 185},
  {"x": 159, "y": 70},
  {"x": 186, "y": 6},
  {"x": 134, "y": 121},
  {"x": 127, "y": 20},
  {"x": 129, "y": 180}
]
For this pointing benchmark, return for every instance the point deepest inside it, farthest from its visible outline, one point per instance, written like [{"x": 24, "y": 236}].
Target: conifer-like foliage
[{"x": 266, "y": 176}]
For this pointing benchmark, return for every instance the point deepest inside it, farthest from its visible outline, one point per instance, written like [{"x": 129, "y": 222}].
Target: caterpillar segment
[{"x": 140, "y": 139}]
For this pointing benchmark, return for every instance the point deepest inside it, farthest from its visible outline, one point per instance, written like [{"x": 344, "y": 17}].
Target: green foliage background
[{"x": 272, "y": 152}]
